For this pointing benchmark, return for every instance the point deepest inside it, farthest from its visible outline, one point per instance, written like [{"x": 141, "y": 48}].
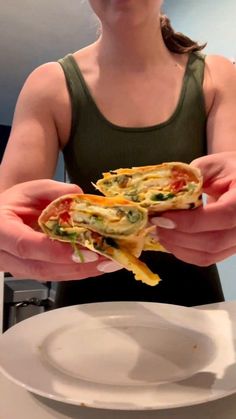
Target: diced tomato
[
  {"x": 179, "y": 173},
  {"x": 64, "y": 217},
  {"x": 63, "y": 210},
  {"x": 180, "y": 178},
  {"x": 177, "y": 185},
  {"x": 66, "y": 203}
]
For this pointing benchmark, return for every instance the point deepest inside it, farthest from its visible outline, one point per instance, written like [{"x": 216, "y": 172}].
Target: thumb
[
  {"x": 48, "y": 190},
  {"x": 53, "y": 189},
  {"x": 36, "y": 193},
  {"x": 216, "y": 179}
]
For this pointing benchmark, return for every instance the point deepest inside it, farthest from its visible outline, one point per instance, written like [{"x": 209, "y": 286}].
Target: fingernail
[
  {"x": 84, "y": 256},
  {"x": 154, "y": 235},
  {"x": 163, "y": 222},
  {"x": 109, "y": 266}
]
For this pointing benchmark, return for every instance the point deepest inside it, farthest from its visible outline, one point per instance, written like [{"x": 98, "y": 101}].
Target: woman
[{"x": 139, "y": 95}]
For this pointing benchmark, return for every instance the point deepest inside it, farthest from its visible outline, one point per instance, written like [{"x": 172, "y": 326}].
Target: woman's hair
[{"x": 176, "y": 41}]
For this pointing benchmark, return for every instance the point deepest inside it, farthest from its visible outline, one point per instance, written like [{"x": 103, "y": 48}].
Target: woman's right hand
[{"x": 28, "y": 253}]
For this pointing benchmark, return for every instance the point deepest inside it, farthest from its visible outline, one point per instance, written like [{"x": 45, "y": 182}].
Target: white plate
[{"x": 123, "y": 355}]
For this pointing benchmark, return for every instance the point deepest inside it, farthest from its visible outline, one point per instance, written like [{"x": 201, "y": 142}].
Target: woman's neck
[{"x": 138, "y": 48}]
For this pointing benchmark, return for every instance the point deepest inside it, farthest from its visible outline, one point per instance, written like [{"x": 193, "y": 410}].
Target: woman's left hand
[{"x": 205, "y": 235}]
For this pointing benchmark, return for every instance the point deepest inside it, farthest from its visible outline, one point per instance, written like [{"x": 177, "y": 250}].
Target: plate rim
[{"x": 210, "y": 396}]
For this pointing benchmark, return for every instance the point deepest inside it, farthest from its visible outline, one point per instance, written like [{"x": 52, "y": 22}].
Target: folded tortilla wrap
[
  {"x": 113, "y": 227},
  {"x": 167, "y": 186},
  {"x": 158, "y": 188}
]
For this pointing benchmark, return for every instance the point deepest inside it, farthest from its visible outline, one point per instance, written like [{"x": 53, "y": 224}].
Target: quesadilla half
[
  {"x": 113, "y": 227},
  {"x": 158, "y": 188}
]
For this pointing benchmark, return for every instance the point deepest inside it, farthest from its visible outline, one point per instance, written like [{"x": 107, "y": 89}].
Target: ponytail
[{"x": 176, "y": 41}]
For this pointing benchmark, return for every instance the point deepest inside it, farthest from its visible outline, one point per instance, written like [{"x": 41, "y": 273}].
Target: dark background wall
[{"x": 4, "y": 134}]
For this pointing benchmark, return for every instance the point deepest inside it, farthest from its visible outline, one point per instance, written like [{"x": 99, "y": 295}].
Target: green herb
[
  {"x": 77, "y": 251},
  {"x": 123, "y": 180},
  {"x": 133, "y": 216},
  {"x": 57, "y": 230},
  {"x": 132, "y": 196},
  {"x": 96, "y": 219},
  {"x": 162, "y": 197},
  {"x": 72, "y": 236},
  {"x": 60, "y": 231},
  {"x": 191, "y": 186}
]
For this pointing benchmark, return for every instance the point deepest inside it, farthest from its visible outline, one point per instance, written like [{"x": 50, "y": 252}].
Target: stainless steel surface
[
  {"x": 22, "y": 299},
  {"x": 19, "y": 290}
]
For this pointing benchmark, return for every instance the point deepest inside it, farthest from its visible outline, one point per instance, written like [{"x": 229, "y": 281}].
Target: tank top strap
[
  {"x": 75, "y": 86},
  {"x": 196, "y": 67}
]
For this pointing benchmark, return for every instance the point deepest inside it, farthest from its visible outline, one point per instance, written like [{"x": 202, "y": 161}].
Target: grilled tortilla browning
[
  {"x": 116, "y": 225},
  {"x": 158, "y": 188},
  {"x": 113, "y": 227}
]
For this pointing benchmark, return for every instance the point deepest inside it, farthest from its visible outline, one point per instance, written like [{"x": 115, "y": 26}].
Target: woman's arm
[
  {"x": 30, "y": 159},
  {"x": 208, "y": 235},
  {"x": 33, "y": 146},
  {"x": 221, "y": 121}
]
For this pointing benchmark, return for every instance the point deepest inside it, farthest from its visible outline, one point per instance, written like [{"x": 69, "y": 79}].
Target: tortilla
[
  {"x": 113, "y": 227},
  {"x": 163, "y": 187}
]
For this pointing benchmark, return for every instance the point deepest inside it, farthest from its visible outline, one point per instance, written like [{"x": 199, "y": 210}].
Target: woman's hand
[
  {"x": 207, "y": 234},
  {"x": 27, "y": 253}
]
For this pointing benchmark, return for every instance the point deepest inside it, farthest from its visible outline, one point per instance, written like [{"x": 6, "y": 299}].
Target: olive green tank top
[{"x": 96, "y": 145}]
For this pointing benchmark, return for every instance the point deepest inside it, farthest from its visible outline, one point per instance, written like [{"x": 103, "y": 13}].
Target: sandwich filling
[
  {"x": 161, "y": 187},
  {"x": 112, "y": 227}
]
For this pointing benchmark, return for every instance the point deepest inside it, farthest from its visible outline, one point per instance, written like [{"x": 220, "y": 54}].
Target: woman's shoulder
[
  {"x": 219, "y": 78},
  {"x": 45, "y": 83},
  {"x": 220, "y": 68}
]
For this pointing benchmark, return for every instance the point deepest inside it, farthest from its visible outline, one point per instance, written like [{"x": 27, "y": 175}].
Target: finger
[
  {"x": 197, "y": 257},
  {"x": 109, "y": 266},
  {"x": 26, "y": 243},
  {"x": 212, "y": 242},
  {"x": 46, "y": 271},
  {"x": 211, "y": 166},
  {"x": 219, "y": 215},
  {"x": 57, "y": 188},
  {"x": 84, "y": 256},
  {"x": 217, "y": 170},
  {"x": 40, "y": 191},
  {"x": 51, "y": 189}
]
